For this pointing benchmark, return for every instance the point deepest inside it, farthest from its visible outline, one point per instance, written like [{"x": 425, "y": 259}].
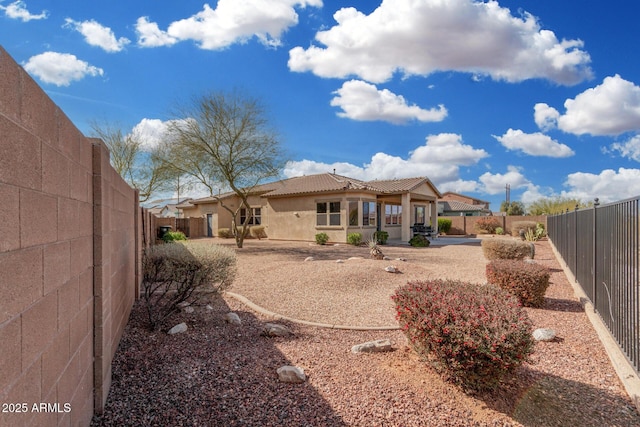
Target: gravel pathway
[{"x": 217, "y": 374}]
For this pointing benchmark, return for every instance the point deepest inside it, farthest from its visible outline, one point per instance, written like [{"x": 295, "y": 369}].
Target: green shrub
[
  {"x": 473, "y": 335},
  {"x": 487, "y": 224},
  {"x": 444, "y": 225},
  {"x": 322, "y": 238},
  {"x": 354, "y": 239},
  {"x": 257, "y": 231},
  {"x": 225, "y": 233},
  {"x": 525, "y": 280},
  {"x": 523, "y": 226},
  {"x": 381, "y": 237},
  {"x": 499, "y": 231},
  {"x": 419, "y": 241},
  {"x": 183, "y": 272},
  {"x": 173, "y": 236},
  {"x": 506, "y": 249}
]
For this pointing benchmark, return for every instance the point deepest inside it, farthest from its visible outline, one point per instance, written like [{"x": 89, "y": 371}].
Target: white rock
[
  {"x": 309, "y": 258},
  {"x": 291, "y": 374},
  {"x": 184, "y": 304},
  {"x": 188, "y": 309},
  {"x": 391, "y": 269},
  {"x": 355, "y": 258},
  {"x": 209, "y": 307},
  {"x": 178, "y": 329},
  {"x": 544, "y": 334},
  {"x": 377, "y": 346},
  {"x": 232, "y": 318},
  {"x": 340, "y": 261},
  {"x": 275, "y": 330},
  {"x": 401, "y": 259},
  {"x": 387, "y": 258}
]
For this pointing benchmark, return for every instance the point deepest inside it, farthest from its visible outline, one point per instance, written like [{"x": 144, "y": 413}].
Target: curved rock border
[{"x": 246, "y": 301}]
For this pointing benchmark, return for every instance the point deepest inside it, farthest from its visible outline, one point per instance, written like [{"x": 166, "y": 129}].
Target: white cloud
[
  {"x": 150, "y": 35},
  {"x": 150, "y": 132},
  {"x": 439, "y": 159},
  {"x": 546, "y": 117},
  {"x": 60, "y": 69},
  {"x": 18, "y": 10},
  {"x": 534, "y": 144},
  {"x": 363, "y": 101},
  {"x": 611, "y": 108},
  {"x": 232, "y": 21},
  {"x": 629, "y": 149},
  {"x": 420, "y": 37},
  {"x": 495, "y": 183},
  {"x": 608, "y": 186},
  {"x": 98, "y": 35}
]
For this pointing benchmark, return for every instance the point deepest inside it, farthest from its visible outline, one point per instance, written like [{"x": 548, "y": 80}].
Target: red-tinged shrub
[
  {"x": 526, "y": 281},
  {"x": 473, "y": 335},
  {"x": 487, "y": 224}
]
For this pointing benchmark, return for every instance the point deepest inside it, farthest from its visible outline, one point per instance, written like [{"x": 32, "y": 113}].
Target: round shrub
[
  {"x": 173, "y": 236},
  {"x": 499, "y": 248},
  {"x": 474, "y": 335},
  {"x": 354, "y": 239},
  {"x": 419, "y": 241},
  {"x": 381, "y": 237},
  {"x": 444, "y": 225},
  {"x": 499, "y": 231},
  {"x": 487, "y": 224},
  {"x": 525, "y": 280},
  {"x": 183, "y": 272},
  {"x": 257, "y": 232},
  {"x": 322, "y": 238},
  {"x": 225, "y": 233}
]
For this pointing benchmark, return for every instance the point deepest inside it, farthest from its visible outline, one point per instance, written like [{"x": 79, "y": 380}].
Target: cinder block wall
[
  {"x": 466, "y": 224},
  {"x": 68, "y": 255}
]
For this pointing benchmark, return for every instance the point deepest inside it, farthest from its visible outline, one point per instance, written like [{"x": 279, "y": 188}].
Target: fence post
[
  {"x": 575, "y": 240},
  {"x": 595, "y": 254}
]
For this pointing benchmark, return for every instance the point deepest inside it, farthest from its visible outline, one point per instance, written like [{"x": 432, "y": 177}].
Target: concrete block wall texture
[
  {"x": 68, "y": 250},
  {"x": 466, "y": 224}
]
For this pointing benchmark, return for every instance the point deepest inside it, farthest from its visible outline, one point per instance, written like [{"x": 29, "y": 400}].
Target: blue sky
[{"x": 543, "y": 95}]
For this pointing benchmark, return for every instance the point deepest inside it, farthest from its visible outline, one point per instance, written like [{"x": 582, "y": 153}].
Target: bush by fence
[
  {"x": 500, "y": 248},
  {"x": 525, "y": 280},
  {"x": 472, "y": 334}
]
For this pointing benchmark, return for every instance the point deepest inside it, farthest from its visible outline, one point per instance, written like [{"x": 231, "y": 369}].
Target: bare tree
[
  {"x": 224, "y": 140},
  {"x": 141, "y": 167}
]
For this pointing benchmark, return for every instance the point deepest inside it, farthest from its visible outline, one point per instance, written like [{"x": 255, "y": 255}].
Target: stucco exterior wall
[{"x": 68, "y": 255}]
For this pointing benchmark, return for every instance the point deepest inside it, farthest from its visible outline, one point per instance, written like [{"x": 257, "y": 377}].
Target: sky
[{"x": 542, "y": 96}]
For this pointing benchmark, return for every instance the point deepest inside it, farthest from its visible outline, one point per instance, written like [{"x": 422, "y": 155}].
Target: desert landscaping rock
[
  {"x": 188, "y": 309},
  {"x": 340, "y": 261},
  {"x": 309, "y": 258},
  {"x": 355, "y": 258},
  {"x": 178, "y": 329},
  {"x": 275, "y": 330},
  {"x": 544, "y": 334},
  {"x": 391, "y": 269},
  {"x": 232, "y": 318},
  {"x": 291, "y": 374},
  {"x": 378, "y": 346}
]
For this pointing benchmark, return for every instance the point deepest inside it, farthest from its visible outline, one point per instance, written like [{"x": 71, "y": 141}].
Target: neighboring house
[
  {"x": 455, "y": 204},
  {"x": 455, "y": 208},
  {"x": 166, "y": 208},
  {"x": 299, "y": 208}
]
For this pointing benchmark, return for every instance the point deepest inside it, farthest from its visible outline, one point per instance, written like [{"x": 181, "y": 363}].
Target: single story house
[
  {"x": 299, "y": 208},
  {"x": 456, "y": 208}
]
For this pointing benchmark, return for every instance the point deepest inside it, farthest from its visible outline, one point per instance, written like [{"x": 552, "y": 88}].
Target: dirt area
[{"x": 219, "y": 374}]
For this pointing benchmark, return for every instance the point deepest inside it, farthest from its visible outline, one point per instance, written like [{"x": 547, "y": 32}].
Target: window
[
  {"x": 328, "y": 213},
  {"x": 353, "y": 213},
  {"x": 393, "y": 214},
  {"x": 420, "y": 217},
  {"x": 256, "y": 216},
  {"x": 368, "y": 213}
]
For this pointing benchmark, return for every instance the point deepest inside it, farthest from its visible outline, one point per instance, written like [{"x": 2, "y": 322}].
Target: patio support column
[
  {"x": 433, "y": 214},
  {"x": 406, "y": 217}
]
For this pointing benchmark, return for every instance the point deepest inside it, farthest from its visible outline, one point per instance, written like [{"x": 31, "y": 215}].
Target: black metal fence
[{"x": 600, "y": 245}]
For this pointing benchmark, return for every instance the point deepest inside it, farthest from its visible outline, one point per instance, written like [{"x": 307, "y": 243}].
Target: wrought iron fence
[{"x": 600, "y": 245}]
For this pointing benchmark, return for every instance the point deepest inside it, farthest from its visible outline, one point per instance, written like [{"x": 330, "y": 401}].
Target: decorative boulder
[
  {"x": 275, "y": 330},
  {"x": 377, "y": 346},
  {"x": 291, "y": 374},
  {"x": 232, "y": 318},
  {"x": 309, "y": 258},
  {"x": 178, "y": 329},
  {"x": 391, "y": 269},
  {"x": 544, "y": 334}
]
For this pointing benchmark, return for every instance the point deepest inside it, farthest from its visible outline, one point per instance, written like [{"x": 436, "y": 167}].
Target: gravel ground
[{"x": 217, "y": 374}]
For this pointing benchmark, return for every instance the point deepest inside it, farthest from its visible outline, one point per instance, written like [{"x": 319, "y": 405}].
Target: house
[
  {"x": 166, "y": 208},
  {"x": 299, "y": 208},
  {"x": 455, "y": 204}
]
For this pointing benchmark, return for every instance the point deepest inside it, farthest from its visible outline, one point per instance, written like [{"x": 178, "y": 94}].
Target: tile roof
[
  {"x": 328, "y": 182},
  {"x": 456, "y": 206}
]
